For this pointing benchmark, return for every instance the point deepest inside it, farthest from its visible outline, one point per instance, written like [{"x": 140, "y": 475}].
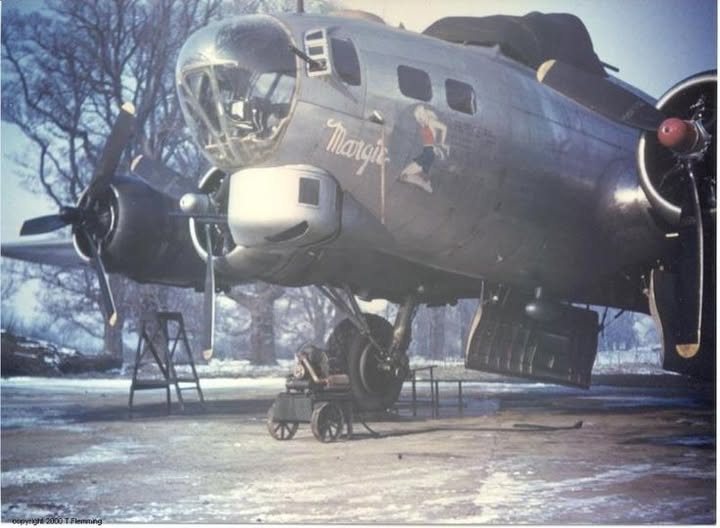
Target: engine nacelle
[
  {"x": 275, "y": 217},
  {"x": 677, "y": 172},
  {"x": 288, "y": 206},
  {"x": 664, "y": 189},
  {"x": 141, "y": 239}
]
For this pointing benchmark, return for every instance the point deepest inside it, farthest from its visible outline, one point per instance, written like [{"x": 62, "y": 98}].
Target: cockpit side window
[{"x": 346, "y": 61}]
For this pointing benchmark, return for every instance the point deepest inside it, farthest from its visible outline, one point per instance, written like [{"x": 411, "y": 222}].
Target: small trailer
[{"x": 312, "y": 396}]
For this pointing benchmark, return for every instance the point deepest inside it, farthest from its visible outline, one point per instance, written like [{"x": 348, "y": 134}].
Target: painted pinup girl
[{"x": 433, "y": 134}]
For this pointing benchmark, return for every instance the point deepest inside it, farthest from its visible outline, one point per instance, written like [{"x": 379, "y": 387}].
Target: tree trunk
[
  {"x": 320, "y": 324},
  {"x": 262, "y": 333},
  {"x": 437, "y": 333}
]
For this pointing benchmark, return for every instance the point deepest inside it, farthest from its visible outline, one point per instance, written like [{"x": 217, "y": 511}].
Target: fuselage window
[
  {"x": 460, "y": 96},
  {"x": 346, "y": 61},
  {"x": 414, "y": 83}
]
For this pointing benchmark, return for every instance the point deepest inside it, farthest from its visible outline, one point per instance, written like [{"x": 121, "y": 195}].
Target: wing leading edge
[{"x": 54, "y": 252}]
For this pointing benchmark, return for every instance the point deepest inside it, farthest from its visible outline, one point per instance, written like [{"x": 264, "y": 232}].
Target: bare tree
[
  {"x": 259, "y": 299},
  {"x": 619, "y": 332},
  {"x": 239, "y": 7},
  {"x": 9, "y": 281},
  {"x": 69, "y": 69},
  {"x": 307, "y": 309},
  {"x": 436, "y": 338}
]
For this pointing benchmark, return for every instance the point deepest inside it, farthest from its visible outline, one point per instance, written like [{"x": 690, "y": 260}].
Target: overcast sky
[{"x": 655, "y": 43}]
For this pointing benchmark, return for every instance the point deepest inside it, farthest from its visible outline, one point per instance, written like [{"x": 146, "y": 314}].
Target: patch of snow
[
  {"x": 123, "y": 385},
  {"x": 417, "y": 362},
  {"x": 67, "y": 384},
  {"x": 501, "y": 492},
  {"x": 25, "y": 355},
  {"x": 143, "y": 514},
  {"x": 33, "y": 475},
  {"x": 270, "y": 383},
  {"x": 239, "y": 368},
  {"x": 51, "y": 360},
  {"x": 445, "y": 500},
  {"x": 15, "y": 418},
  {"x": 103, "y": 454},
  {"x": 22, "y": 510},
  {"x": 507, "y": 497}
]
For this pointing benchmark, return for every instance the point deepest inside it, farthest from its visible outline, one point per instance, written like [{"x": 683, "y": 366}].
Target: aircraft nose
[{"x": 236, "y": 81}]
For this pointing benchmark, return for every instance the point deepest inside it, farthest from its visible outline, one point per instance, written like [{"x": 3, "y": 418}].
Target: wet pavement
[{"x": 514, "y": 453}]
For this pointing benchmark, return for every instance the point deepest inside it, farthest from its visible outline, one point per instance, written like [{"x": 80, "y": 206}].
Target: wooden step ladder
[{"x": 163, "y": 349}]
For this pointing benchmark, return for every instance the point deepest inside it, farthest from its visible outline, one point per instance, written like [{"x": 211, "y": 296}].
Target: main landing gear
[
  {"x": 369, "y": 350},
  {"x": 362, "y": 369}
]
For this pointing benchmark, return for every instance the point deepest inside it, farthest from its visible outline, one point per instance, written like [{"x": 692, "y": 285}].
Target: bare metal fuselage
[{"x": 533, "y": 189}]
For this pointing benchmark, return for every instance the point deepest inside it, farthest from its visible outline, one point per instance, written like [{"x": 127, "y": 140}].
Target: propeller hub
[
  {"x": 71, "y": 215},
  {"x": 678, "y": 135},
  {"x": 196, "y": 204}
]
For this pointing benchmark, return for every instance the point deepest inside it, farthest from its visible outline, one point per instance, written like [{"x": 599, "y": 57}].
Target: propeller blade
[
  {"x": 601, "y": 95},
  {"x": 209, "y": 300},
  {"x": 43, "y": 224},
  {"x": 107, "y": 297},
  {"x": 162, "y": 177},
  {"x": 110, "y": 157},
  {"x": 691, "y": 274}
]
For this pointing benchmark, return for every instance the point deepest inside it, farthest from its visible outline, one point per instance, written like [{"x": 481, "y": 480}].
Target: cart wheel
[
  {"x": 327, "y": 422},
  {"x": 280, "y": 430}
]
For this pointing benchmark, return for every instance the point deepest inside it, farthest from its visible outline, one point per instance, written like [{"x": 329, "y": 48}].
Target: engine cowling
[
  {"x": 271, "y": 218},
  {"x": 292, "y": 205},
  {"x": 140, "y": 238},
  {"x": 266, "y": 217},
  {"x": 657, "y": 163}
]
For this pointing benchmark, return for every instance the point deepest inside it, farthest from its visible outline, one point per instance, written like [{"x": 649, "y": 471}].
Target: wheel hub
[{"x": 375, "y": 374}]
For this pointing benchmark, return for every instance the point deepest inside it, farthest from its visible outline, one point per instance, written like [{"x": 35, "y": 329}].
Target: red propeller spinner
[{"x": 678, "y": 135}]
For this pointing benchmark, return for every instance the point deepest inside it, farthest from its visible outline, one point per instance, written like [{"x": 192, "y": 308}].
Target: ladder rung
[
  {"x": 149, "y": 384},
  {"x": 163, "y": 354}
]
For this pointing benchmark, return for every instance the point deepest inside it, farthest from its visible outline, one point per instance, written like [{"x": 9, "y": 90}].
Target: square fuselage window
[
  {"x": 460, "y": 96},
  {"x": 309, "y": 192},
  {"x": 414, "y": 83}
]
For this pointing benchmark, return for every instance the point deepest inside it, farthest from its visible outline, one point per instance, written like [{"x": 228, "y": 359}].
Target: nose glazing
[{"x": 236, "y": 84}]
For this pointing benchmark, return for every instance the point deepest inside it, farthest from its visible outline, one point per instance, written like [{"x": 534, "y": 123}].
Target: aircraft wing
[{"x": 55, "y": 252}]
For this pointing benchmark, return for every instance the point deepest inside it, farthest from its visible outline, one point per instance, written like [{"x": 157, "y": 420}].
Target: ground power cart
[{"x": 312, "y": 396}]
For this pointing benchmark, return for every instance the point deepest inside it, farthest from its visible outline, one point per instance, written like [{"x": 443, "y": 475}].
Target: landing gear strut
[{"x": 370, "y": 350}]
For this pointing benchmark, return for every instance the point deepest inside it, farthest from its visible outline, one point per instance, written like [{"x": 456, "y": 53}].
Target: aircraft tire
[{"x": 351, "y": 353}]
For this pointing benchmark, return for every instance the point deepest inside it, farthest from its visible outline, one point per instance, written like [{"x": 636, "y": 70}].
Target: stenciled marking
[{"x": 357, "y": 149}]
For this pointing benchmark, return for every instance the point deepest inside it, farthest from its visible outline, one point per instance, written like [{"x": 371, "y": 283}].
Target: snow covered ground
[
  {"x": 643, "y": 455},
  {"x": 120, "y": 385}
]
